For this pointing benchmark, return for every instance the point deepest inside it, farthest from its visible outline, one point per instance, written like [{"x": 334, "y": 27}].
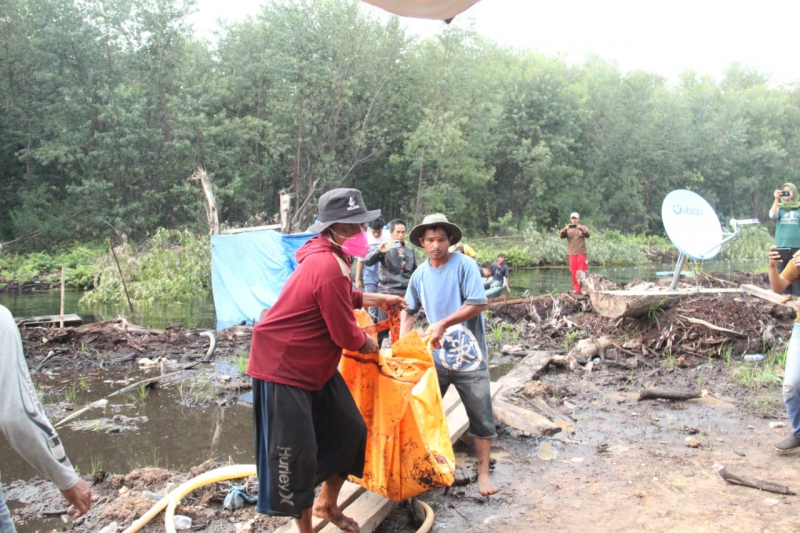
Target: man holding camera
[
  {"x": 397, "y": 263},
  {"x": 785, "y": 211},
  {"x": 576, "y": 235}
]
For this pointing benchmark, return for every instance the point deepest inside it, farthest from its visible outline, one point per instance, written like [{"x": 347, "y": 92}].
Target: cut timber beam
[
  {"x": 529, "y": 368},
  {"x": 766, "y": 294},
  {"x": 523, "y": 419}
]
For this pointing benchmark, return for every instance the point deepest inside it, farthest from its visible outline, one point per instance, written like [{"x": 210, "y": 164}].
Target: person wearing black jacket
[{"x": 396, "y": 262}]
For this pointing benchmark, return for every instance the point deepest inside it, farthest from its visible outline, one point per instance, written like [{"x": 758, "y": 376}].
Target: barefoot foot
[
  {"x": 335, "y": 517},
  {"x": 485, "y": 485}
]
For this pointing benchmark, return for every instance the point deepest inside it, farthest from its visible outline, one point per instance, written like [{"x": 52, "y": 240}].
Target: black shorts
[{"x": 303, "y": 438}]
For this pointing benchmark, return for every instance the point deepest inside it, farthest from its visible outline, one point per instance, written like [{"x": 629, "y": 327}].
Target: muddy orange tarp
[{"x": 408, "y": 442}]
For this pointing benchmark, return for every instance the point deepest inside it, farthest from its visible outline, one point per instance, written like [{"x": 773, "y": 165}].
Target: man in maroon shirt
[{"x": 308, "y": 429}]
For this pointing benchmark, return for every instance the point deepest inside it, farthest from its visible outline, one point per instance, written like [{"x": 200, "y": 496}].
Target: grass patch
[
  {"x": 755, "y": 375},
  {"x": 71, "y": 393},
  {"x": 240, "y": 360},
  {"x": 572, "y": 338},
  {"x": 198, "y": 391},
  {"x": 505, "y": 333}
]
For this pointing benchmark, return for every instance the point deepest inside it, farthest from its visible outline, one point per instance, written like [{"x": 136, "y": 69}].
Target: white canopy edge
[{"x": 424, "y": 9}]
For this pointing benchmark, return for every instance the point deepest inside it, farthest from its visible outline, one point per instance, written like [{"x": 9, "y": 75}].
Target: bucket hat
[
  {"x": 574, "y": 215},
  {"x": 435, "y": 219},
  {"x": 342, "y": 205}
]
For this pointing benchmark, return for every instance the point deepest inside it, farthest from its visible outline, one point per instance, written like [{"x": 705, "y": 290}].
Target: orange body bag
[{"x": 408, "y": 442}]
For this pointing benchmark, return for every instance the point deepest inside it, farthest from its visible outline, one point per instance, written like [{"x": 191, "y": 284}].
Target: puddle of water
[
  {"x": 498, "y": 371},
  {"x": 622, "y": 396},
  {"x": 174, "y": 437},
  {"x": 40, "y": 524},
  {"x": 226, "y": 368},
  {"x": 565, "y": 425},
  {"x": 726, "y": 403},
  {"x": 547, "y": 452}
]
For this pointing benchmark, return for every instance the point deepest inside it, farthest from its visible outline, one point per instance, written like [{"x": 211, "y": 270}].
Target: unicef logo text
[{"x": 678, "y": 210}]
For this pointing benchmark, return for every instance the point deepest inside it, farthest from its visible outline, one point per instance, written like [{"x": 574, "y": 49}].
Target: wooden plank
[
  {"x": 349, "y": 493},
  {"x": 523, "y": 419},
  {"x": 234, "y": 231},
  {"x": 678, "y": 292},
  {"x": 369, "y": 511},
  {"x": 38, "y": 321},
  {"x": 529, "y": 368},
  {"x": 766, "y": 294}
]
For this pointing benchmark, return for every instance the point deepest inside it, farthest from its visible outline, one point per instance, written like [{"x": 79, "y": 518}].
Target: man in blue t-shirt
[{"x": 450, "y": 289}]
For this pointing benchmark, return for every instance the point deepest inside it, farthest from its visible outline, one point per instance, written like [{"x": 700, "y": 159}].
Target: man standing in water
[
  {"x": 27, "y": 429},
  {"x": 308, "y": 429},
  {"x": 450, "y": 289}
]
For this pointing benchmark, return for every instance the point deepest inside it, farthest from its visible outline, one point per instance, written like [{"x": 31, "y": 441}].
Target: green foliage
[
  {"x": 534, "y": 248},
  {"x": 78, "y": 264},
  {"x": 107, "y": 108},
  {"x": 174, "y": 265},
  {"x": 655, "y": 310},
  {"x": 240, "y": 360},
  {"x": 762, "y": 374},
  {"x": 753, "y": 242},
  {"x": 571, "y": 338},
  {"x": 504, "y": 332}
]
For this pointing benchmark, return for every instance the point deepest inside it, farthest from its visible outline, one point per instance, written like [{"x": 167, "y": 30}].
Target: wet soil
[
  {"x": 624, "y": 465},
  {"x": 618, "y": 465}
]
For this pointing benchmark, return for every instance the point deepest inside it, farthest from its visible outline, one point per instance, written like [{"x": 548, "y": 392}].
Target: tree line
[{"x": 108, "y": 106}]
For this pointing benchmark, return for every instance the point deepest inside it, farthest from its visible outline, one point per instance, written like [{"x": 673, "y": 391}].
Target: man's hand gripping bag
[{"x": 408, "y": 442}]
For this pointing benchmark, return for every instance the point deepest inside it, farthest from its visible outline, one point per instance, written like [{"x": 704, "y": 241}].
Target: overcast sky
[{"x": 661, "y": 36}]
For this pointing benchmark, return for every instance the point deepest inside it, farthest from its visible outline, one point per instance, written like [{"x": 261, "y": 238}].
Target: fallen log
[
  {"x": 655, "y": 394},
  {"x": 523, "y": 419},
  {"x": 755, "y": 483},
  {"x": 505, "y": 300},
  {"x": 636, "y": 301}
]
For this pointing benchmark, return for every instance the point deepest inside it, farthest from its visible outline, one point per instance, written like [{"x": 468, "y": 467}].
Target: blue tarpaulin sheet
[{"x": 248, "y": 271}]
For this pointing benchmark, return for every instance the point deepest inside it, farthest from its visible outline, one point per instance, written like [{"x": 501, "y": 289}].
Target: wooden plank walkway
[{"x": 48, "y": 320}]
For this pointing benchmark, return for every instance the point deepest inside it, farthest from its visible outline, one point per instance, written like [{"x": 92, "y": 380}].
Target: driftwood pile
[
  {"x": 115, "y": 342},
  {"x": 690, "y": 327}
]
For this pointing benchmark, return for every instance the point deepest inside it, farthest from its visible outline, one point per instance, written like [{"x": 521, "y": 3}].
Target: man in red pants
[{"x": 576, "y": 235}]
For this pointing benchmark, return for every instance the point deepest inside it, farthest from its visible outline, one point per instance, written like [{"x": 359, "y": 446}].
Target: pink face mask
[{"x": 356, "y": 245}]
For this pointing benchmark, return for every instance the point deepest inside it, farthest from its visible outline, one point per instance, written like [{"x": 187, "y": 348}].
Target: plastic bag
[{"x": 408, "y": 442}]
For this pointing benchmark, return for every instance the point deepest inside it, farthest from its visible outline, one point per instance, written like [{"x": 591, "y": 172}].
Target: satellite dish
[{"x": 692, "y": 225}]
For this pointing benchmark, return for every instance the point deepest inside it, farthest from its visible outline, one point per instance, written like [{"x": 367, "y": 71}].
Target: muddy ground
[{"x": 618, "y": 465}]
